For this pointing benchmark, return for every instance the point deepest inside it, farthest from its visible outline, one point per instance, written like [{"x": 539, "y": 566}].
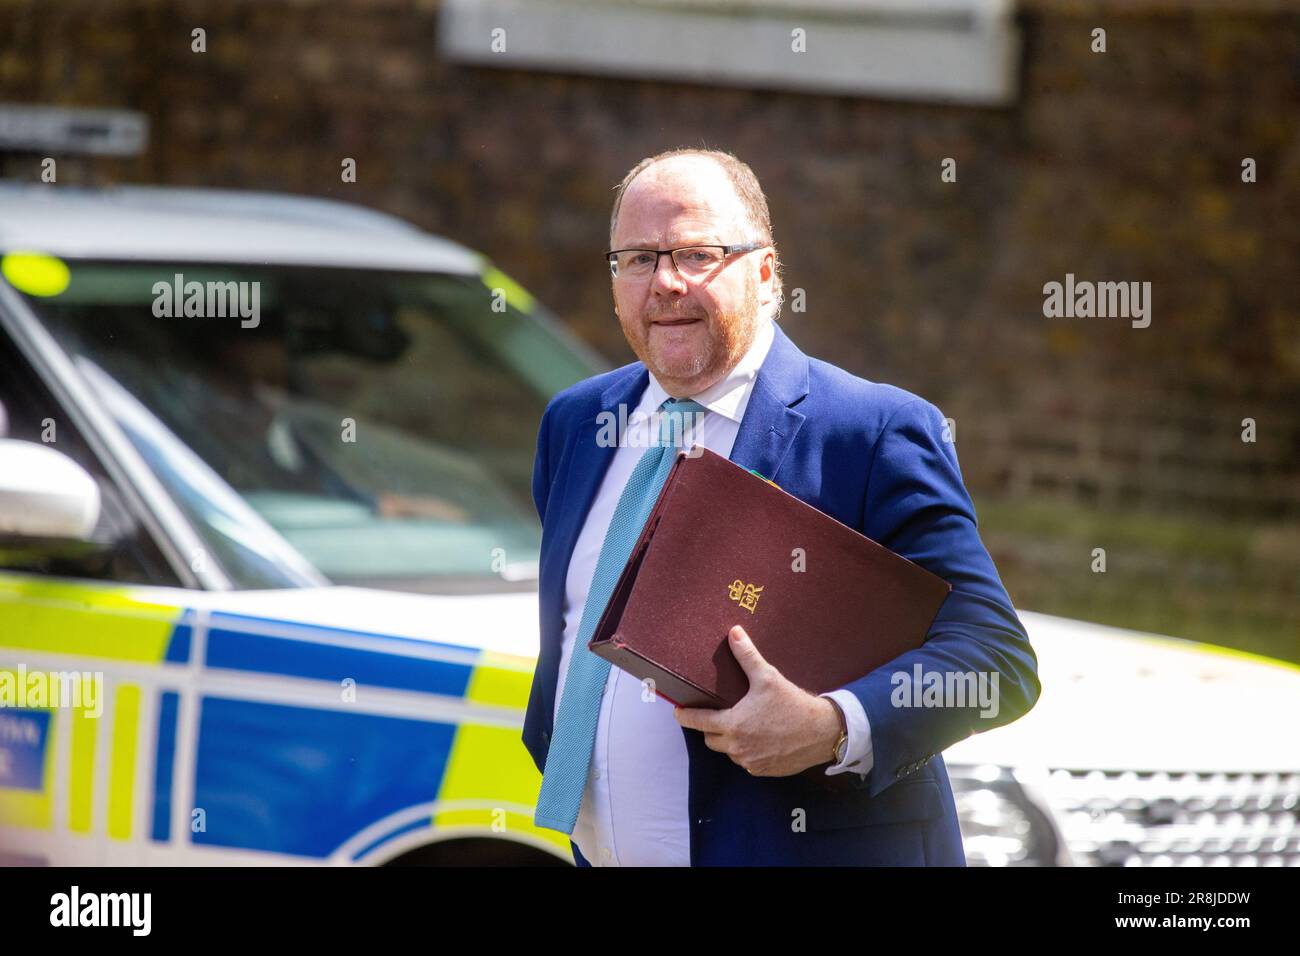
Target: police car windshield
[{"x": 379, "y": 426}]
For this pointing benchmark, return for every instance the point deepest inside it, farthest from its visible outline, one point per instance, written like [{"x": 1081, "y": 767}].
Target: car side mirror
[{"x": 44, "y": 496}]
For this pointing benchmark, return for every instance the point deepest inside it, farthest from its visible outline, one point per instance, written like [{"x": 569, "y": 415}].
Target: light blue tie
[{"x": 568, "y": 761}]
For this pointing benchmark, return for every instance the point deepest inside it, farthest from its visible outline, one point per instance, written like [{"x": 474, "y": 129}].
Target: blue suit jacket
[{"x": 874, "y": 457}]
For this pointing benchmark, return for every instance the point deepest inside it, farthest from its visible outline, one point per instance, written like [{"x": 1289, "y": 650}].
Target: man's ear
[{"x": 767, "y": 278}]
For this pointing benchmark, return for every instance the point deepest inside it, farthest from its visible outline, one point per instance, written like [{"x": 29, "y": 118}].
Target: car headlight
[{"x": 1003, "y": 822}]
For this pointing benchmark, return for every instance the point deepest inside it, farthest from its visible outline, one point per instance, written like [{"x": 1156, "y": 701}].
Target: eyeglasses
[{"x": 689, "y": 261}]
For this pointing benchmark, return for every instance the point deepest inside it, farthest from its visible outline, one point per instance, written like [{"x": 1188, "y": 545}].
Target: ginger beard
[{"x": 684, "y": 352}]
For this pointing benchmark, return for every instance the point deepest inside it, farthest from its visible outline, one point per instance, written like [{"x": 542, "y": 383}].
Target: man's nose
[{"x": 667, "y": 279}]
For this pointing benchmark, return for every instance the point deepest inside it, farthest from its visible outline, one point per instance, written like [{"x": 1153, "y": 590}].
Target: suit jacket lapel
[{"x": 769, "y": 425}]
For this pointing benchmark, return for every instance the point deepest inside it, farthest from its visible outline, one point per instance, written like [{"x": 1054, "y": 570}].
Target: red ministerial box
[{"x": 823, "y": 603}]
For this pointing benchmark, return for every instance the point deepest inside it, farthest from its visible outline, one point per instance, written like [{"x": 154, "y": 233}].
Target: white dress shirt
[{"x": 634, "y": 808}]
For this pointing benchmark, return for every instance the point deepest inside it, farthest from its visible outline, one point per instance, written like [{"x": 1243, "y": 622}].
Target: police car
[{"x": 268, "y": 563}]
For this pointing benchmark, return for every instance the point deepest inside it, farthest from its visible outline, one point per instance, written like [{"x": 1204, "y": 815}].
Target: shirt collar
[{"x": 729, "y": 396}]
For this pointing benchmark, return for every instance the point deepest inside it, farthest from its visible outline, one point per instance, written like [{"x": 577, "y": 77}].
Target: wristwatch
[{"x": 841, "y": 745}]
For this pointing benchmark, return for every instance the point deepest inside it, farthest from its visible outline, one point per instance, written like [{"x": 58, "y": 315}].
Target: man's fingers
[
  {"x": 700, "y": 718},
  {"x": 717, "y": 742},
  {"x": 747, "y": 655}
]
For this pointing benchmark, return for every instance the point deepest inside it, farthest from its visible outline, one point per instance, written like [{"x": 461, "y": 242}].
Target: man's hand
[{"x": 777, "y": 729}]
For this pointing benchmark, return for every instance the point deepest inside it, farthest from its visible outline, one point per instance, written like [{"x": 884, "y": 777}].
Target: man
[{"x": 636, "y": 781}]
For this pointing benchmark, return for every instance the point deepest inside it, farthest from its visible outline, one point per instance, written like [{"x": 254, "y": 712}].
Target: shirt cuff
[{"x": 858, "y": 756}]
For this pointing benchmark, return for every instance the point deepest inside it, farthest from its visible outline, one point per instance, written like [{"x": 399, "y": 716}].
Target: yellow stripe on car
[
  {"x": 488, "y": 770},
  {"x": 88, "y": 620},
  {"x": 515, "y": 294},
  {"x": 81, "y": 773},
  {"x": 121, "y": 787}
]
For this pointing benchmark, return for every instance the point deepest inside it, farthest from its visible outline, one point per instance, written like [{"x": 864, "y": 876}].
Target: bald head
[
  {"x": 688, "y": 178},
  {"x": 690, "y": 192}
]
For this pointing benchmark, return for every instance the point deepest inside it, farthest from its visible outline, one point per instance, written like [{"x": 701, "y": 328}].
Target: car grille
[{"x": 1131, "y": 818}]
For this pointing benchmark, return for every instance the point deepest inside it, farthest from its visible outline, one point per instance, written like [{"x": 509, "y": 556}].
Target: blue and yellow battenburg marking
[
  {"x": 88, "y": 622},
  {"x": 347, "y": 768}
]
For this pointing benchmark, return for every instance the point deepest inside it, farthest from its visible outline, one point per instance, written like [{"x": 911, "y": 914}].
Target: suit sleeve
[{"x": 917, "y": 505}]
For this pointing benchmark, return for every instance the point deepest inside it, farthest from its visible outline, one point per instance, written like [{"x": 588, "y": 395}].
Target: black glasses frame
[{"x": 726, "y": 251}]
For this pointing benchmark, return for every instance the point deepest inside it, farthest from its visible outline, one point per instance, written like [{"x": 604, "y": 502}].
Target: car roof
[{"x": 172, "y": 224}]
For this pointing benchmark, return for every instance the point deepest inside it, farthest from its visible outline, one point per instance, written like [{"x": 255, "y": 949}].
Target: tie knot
[{"x": 677, "y": 420}]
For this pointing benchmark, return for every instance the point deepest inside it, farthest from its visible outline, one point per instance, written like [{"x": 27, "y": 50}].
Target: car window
[
  {"x": 29, "y": 412},
  {"x": 380, "y": 427}
]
